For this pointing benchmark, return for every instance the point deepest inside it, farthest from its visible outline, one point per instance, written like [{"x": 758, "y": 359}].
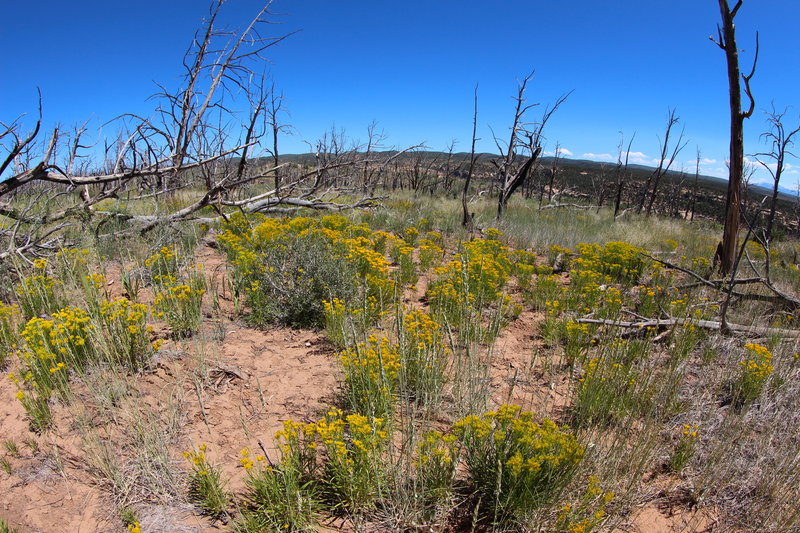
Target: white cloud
[
  {"x": 718, "y": 172},
  {"x": 600, "y": 157},
  {"x": 705, "y": 161},
  {"x": 565, "y": 152},
  {"x": 637, "y": 158}
]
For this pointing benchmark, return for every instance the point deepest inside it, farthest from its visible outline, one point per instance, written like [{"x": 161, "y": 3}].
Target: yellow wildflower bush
[
  {"x": 559, "y": 257},
  {"x": 407, "y": 269},
  {"x": 610, "y": 387},
  {"x": 577, "y": 340},
  {"x": 515, "y": 463},
  {"x": 754, "y": 372},
  {"x": 9, "y": 316},
  {"x": 410, "y": 235},
  {"x": 466, "y": 287},
  {"x": 430, "y": 254},
  {"x": 278, "y": 497},
  {"x": 424, "y": 356},
  {"x": 623, "y": 262},
  {"x": 437, "y": 458},
  {"x": 38, "y": 293},
  {"x": 588, "y": 513},
  {"x": 127, "y": 333},
  {"x": 684, "y": 450},
  {"x": 206, "y": 488},
  {"x": 179, "y": 303},
  {"x": 355, "y": 448},
  {"x": 546, "y": 288},
  {"x": 164, "y": 262},
  {"x": 51, "y": 348},
  {"x": 287, "y": 268},
  {"x": 372, "y": 373}
]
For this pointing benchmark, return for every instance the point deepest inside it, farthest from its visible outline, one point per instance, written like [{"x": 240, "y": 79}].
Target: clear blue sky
[{"x": 411, "y": 66}]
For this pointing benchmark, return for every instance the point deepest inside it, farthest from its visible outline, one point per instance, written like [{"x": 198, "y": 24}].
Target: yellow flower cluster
[
  {"x": 360, "y": 253},
  {"x": 8, "y": 332},
  {"x": 689, "y": 431},
  {"x": 421, "y": 330},
  {"x": 73, "y": 258},
  {"x": 475, "y": 280},
  {"x": 588, "y": 513},
  {"x": 52, "y": 347},
  {"x": 164, "y": 262},
  {"x": 429, "y": 253},
  {"x": 247, "y": 462},
  {"x": 559, "y": 253},
  {"x": 125, "y": 323},
  {"x": 247, "y": 248},
  {"x": 759, "y": 367},
  {"x": 355, "y": 446},
  {"x": 410, "y": 235},
  {"x": 179, "y": 302},
  {"x": 516, "y": 459},
  {"x": 37, "y": 294},
  {"x": 621, "y": 261},
  {"x": 438, "y": 452},
  {"x": 756, "y": 370},
  {"x": 371, "y": 372},
  {"x": 64, "y": 337},
  {"x": 424, "y": 357}
]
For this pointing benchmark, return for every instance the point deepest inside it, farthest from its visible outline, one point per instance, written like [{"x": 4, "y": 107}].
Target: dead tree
[
  {"x": 780, "y": 141},
  {"x": 466, "y": 218},
  {"x": 273, "y": 112},
  {"x": 622, "y": 172},
  {"x": 553, "y": 174},
  {"x": 524, "y": 144},
  {"x": 665, "y": 161},
  {"x": 449, "y": 170},
  {"x": 693, "y": 203},
  {"x": 726, "y": 40}
]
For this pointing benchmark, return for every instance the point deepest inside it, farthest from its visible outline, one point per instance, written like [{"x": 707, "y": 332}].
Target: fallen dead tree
[
  {"x": 726, "y": 285},
  {"x": 757, "y": 331}
]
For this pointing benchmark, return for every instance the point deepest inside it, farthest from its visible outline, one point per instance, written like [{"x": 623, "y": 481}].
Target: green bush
[
  {"x": 515, "y": 464},
  {"x": 298, "y": 275}
]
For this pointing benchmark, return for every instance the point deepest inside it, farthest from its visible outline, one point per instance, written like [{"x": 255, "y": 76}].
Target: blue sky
[{"x": 411, "y": 67}]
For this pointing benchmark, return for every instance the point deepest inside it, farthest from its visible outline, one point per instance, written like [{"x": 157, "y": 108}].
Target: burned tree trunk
[
  {"x": 466, "y": 219},
  {"x": 526, "y": 138},
  {"x": 726, "y": 40}
]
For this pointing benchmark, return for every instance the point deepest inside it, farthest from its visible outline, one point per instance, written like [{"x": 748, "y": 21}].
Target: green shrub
[
  {"x": 39, "y": 294},
  {"x": 8, "y": 334},
  {"x": 205, "y": 484},
  {"x": 515, "y": 464},
  {"x": 371, "y": 374},
  {"x": 278, "y": 497},
  {"x": 5, "y": 528},
  {"x": 179, "y": 303},
  {"x": 754, "y": 373}
]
